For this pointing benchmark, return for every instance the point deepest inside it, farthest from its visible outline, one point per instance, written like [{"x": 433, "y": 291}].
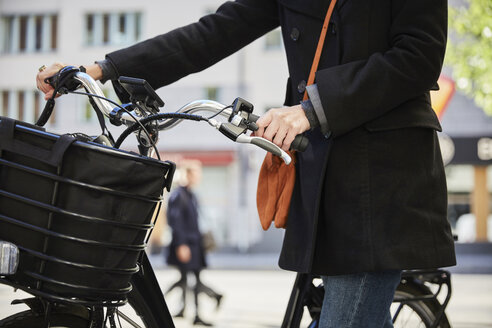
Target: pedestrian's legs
[
  {"x": 359, "y": 300},
  {"x": 202, "y": 288},
  {"x": 181, "y": 283},
  {"x": 196, "y": 290},
  {"x": 184, "y": 287},
  {"x": 199, "y": 288}
]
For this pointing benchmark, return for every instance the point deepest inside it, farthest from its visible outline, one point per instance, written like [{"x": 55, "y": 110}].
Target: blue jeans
[{"x": 359, "y": 300}]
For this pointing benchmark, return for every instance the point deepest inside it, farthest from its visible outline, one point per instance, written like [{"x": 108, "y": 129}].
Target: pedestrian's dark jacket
[
  {"x": 182, "y": 216},
  {"x": 377, "y": 200}
]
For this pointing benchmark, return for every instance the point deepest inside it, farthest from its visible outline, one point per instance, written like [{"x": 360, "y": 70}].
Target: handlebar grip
[
  {"x": 253, "y": 117},
  {"x": 300, "y": 143}
]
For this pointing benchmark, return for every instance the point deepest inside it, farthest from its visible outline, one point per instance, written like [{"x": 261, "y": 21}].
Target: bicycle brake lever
[
  {"x": 236, "y": 134},
  {"x": 266, "y": 145}
]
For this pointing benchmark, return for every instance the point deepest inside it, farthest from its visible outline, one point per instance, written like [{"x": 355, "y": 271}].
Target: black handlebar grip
[
  {"x": 253, "y": 117},
  {"x": 300, "y": 143}
]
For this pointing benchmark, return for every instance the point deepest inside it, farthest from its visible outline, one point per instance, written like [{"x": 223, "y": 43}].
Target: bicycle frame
[{"x": 145, "y": 282}]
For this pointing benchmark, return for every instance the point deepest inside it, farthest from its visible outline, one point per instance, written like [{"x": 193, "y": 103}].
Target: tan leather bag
[{"x": 275, "y": 186}]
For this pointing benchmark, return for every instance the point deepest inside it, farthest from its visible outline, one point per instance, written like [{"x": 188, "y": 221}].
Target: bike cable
[
  {"x": 159, "y": 116},
  {"x": 125, "y": 110}
]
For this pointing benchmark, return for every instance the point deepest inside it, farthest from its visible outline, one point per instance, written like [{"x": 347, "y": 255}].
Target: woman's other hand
[
  {"x": 93, "y": 70},
  {"x": 282, "y": 125},
  {"x": 45, "y": 72}
]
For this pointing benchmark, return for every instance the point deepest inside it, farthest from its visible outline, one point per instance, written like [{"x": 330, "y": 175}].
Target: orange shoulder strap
[{"x": 319, "y": 48}]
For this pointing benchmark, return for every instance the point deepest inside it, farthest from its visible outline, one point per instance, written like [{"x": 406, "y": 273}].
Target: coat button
[
  {"x": 294, "y": 34},
  {"x": 301, "y": 87}
]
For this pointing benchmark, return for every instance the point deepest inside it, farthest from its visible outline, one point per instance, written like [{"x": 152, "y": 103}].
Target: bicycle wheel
[
  {"x": 131, "y": 315},
  {"x": 33, "y": 320},
  {"x": 415, "y": 314},
  {"x": 125, "y": 317}
]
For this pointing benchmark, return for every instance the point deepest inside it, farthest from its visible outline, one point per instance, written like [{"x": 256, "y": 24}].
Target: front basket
[{"x": 79, "y": 212}]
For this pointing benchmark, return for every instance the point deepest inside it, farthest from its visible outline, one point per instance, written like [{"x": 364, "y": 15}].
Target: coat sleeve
[
  {"x": 176, "y": 219},
  {"x": 168, "y": 57},
  {"x": 357, "y": 92}
]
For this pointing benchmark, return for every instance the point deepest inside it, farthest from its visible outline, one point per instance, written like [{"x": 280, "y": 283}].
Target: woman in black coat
[
  {"x": 186, "y": 250},
  {"x": 370, "y": 194}
]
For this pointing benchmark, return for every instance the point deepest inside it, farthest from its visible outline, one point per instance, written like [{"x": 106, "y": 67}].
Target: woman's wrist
[{"x": 95, "y": 71}]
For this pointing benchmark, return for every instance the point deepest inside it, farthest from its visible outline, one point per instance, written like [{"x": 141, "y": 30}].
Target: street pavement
[
  {"x": 257, "y": 299},
  {"x": 256, "y": 294}
]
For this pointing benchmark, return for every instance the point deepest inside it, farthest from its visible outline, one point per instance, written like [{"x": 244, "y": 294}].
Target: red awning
[{"x": 208, "y": 158}]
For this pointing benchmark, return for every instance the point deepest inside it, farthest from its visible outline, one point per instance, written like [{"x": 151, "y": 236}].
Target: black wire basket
[{"x": 79, "y": 212}]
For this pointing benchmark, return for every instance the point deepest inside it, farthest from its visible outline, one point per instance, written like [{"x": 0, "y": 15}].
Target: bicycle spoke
[
  {"x": 408, "y": 317},
  {"x": 400, "y": 306},
  {"x": 127, "y": 319}
]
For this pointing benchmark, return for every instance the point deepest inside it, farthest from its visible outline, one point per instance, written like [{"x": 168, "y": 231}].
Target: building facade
[{"x": 33, "y": 33}]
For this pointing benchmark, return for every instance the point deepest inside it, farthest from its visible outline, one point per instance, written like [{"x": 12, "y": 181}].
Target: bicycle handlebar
[
  {"x": 92, "y": 87},
  {"x": 234, "y": 131}
]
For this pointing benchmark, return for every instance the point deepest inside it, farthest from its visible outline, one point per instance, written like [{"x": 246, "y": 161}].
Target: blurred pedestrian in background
[{"x": 186, "y": 250}]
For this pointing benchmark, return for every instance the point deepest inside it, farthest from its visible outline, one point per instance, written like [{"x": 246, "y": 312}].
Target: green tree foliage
[{"x": 470, "y": 50}]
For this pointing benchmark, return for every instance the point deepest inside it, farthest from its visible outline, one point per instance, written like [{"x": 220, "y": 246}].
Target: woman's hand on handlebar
[
  {"x": 45, "y": 73},
  {"x": 282, "y": 125},
  {"x": 93, "y": 70}
]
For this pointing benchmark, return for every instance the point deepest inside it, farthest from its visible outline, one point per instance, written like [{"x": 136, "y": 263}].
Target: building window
[
  {"x": 273, "y": 40},
  {"x": 23, "y": 33},
  {"x": 106, "y": 29},
  {"x": 54, "y": 29},
  {"x": 39, "y": 32},
  {"x": 38, "y": 100},
  {"x": 23, "y": 105},
  {"x": 210, "y": 10},
  {"x": 212, "y": 93},
  {"x": 20, "y": 106},
  {"x": 28, "y": 33},
  {"x": 5, "y": 103},
  {"x": 89, "y": 29},
  {"x": 112, "y": 28}
]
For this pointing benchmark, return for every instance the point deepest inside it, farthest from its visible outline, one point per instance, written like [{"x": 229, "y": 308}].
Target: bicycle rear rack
[{"x": 423, "y": 278}]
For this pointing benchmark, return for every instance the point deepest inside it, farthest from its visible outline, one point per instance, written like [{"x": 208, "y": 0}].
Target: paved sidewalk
[
  {"x": 256, "y": 291},
  {"x": 257, "y": 299}
]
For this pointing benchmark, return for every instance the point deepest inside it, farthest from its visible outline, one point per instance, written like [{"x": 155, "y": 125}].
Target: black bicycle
[
  {"x": 76, "y": 212},
  {"x": 85, "y": 267}
]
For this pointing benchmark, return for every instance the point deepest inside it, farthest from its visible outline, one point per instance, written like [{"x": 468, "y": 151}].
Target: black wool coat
[
  {"x": 182, "y": 217},
  {"x": 373, "y": 195}
]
